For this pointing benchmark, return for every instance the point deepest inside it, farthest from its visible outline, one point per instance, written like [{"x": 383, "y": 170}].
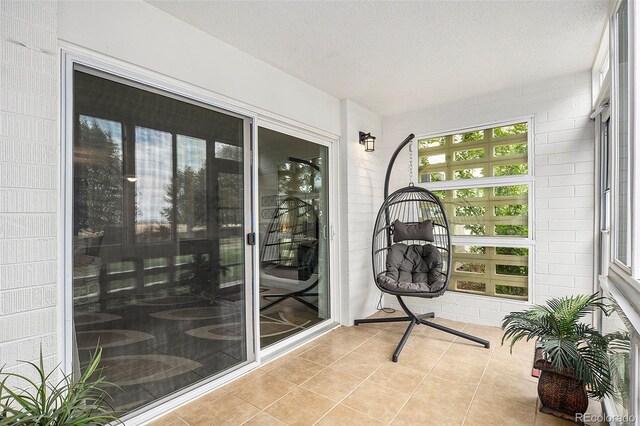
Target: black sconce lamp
[{"x": 368, "y": 141}]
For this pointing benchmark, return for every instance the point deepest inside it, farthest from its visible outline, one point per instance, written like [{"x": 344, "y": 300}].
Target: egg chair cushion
[
  {"x": 413, "y": 269},
  {"x": 412, "y": 231}
]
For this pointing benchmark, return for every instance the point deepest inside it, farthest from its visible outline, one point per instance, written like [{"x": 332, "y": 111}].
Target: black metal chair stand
[
  {"x": 414, "y": 320},
  {"x": 296, "y": 295}
]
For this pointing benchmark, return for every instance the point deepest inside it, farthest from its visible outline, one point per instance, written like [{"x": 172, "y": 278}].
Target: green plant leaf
[
  {"x": 67, "y": 402},
  {"x": 570, "y": 345}
]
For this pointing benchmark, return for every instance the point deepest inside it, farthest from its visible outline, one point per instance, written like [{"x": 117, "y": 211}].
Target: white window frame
[
  {"x": 601, "y": 70},
  {"x": 617, "y": 267},
  {"x": 489, "y": 182},
  {"x": 622, "y": 282}
]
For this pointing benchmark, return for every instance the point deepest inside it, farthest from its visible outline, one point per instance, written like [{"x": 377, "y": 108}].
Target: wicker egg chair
[{"x": 411, "y": 253}]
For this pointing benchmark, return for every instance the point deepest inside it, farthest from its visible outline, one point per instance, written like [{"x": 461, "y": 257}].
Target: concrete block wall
[
  {"x": 564, "y": 143},
  {"x": 28, "y": 182}
]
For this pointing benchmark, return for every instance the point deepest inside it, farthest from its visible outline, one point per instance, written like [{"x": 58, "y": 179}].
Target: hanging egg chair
[
  {"x": 411, "y": 253},
  {"x": 289, "y": 255}
]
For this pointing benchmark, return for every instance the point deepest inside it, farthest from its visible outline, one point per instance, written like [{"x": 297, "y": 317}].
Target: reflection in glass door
[
  {"x": 294, "y": 255},
  {"x": 159, "y": 277}
]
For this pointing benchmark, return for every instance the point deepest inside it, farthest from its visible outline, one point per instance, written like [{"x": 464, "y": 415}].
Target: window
[
  {"x": 622, "y": 226},
  {"x": 482, "y": 177}
]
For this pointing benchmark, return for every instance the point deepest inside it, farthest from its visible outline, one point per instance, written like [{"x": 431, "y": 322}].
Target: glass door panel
[
  {"x": 159, "y": 273},
  {"x": 293, "y": 226}
]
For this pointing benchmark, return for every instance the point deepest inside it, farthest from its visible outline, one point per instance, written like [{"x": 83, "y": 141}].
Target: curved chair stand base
[
  {"x": 296, "y": 295},
  {"x": 413, "y": 320}
]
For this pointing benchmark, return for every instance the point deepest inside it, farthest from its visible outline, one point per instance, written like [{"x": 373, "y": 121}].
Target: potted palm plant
[
  {"x": 572, "y": 356},
  {"x": 44, "y": 402}
]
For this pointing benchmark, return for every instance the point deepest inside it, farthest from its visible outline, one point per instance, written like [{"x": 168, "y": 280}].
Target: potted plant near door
[
  {"x": 44, "y": 399},
  {"x": 573, "y": 357}
]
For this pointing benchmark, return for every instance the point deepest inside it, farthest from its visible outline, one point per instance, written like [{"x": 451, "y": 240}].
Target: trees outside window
[{"x": 482, "y": 177}]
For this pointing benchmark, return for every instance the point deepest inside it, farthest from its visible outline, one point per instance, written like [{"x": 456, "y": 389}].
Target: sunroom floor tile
[{"x": 347, "y": 378}]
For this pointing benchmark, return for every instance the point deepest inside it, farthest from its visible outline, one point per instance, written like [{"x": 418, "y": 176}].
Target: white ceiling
[{"x": 393, "y": 57}]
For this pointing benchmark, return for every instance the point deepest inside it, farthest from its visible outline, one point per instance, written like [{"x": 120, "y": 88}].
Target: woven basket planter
[{"x": 561, "y": 394}]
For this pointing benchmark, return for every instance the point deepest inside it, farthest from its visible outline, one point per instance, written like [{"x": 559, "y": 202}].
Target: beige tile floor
[{"x": 346, "y": 377}]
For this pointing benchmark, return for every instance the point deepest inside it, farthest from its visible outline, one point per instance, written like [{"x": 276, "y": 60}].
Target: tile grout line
[
  {"x": 268, "y": 371},
  {"x": 423, "y": 379},
  {"x": 300, "y": 385},
  {"x": 376, "y": 332},
  {"x": 364, "y": 380},
  {"x": 475, "y": 392},
  {"x": 493, "y": 352},
  {"x": 360, "y": 384}
]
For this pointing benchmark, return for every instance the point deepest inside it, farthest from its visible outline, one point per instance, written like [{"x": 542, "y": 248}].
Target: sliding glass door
[
  {"x": 294, "y": 228},
  {"x": 161, "y": 194}
]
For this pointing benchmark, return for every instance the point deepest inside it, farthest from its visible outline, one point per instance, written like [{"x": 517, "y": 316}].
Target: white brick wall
[
  {"x": 28, "y": 181},
  {"x": 362, "y": 178},
  {"x": 564, "y": 184}
]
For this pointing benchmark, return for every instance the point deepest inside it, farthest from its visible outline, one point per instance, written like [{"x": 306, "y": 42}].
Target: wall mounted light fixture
[{"x": 368, "y": 141}]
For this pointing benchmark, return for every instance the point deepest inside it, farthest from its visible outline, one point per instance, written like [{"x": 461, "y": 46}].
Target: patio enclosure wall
[
  {"x": 563, "y": 167},
  {"x": 29, "y": 161},
  {"x": 137, "y": 35}
]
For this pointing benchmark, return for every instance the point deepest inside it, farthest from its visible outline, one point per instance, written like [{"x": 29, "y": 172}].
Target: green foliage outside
[
  {"x": 512, "y": 251},
  {"x": 98, "y": 179},
  {"x": 474, "y": 229},
  {"x": 504, "y": 150},
  {"x": 440, "y": 194},
  {"x": 431, "y": 143},
  {"x": 470, "y": 210},
  {"x": 191, "y": 194},
  {"x": 295, "y": 179},
  {"x": 190, "y": 198},
  {"x": 510, "y": 170},
  {"x": 512, "y": 230},
  {"x": 477, "y": 249},
  {"x": 470, "y": 154},
  {"x": 436, "y": 177},
  {"x": 511, "y": 191},
  {"x": 511, "y": 210},
  {"x": 508, "y": 290},
  {"x": 469, "y": 193},
  {"x": 471, "y": 204},
  {"x": 517, "y": 270},
  {"x": 515, "y": 129},
  {"x": 468, "y": 173},
  {"x": 469, "y": 136}
]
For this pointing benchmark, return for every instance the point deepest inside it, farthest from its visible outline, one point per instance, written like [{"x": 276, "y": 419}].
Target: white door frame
[
  {"x": 71, "y": 59},
  {"x": 71, "y": 55}
]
